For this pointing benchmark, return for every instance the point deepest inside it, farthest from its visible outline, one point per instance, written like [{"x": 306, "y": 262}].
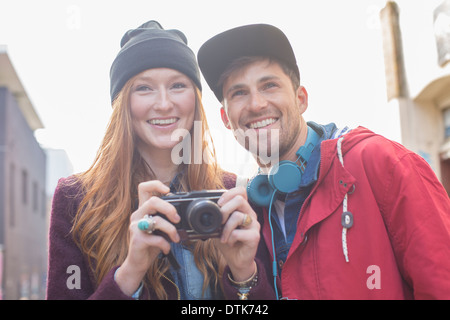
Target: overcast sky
[{"x": 63, "y": 50}]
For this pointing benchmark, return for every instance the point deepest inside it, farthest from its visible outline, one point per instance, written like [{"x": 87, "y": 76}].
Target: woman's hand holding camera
[
  {"x": 238, "y": 241},
  {"x": 240, "y": 233},
  {"x": 144, "y": 246}
]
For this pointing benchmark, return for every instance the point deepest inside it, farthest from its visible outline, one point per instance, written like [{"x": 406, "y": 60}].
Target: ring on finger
[
  {"x": 147, "y": 224},
  {"x": 246, "y": 221}
]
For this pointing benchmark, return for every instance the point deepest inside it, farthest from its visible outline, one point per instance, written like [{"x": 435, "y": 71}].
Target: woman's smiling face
[{"x": 162, "y": 100}]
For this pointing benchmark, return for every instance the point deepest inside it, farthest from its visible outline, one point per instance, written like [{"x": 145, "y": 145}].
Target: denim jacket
[{"x": 188, "y": 278}]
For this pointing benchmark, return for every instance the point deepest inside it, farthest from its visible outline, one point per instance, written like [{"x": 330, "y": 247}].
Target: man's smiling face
[{"x": 261, "y": 97}]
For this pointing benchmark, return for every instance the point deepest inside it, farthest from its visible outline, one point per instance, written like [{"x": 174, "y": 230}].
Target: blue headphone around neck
[{"x": 284, "y": 177}]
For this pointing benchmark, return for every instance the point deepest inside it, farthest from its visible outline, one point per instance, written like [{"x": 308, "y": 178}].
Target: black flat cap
[{"x": 216, "y": 54}]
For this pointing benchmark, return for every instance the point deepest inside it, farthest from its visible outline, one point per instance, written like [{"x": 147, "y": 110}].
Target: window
[
  {"x": 44, "y": 205},
  {"x": 12, "y": 195},
  {"x": 24, "y": 187},
  {"x": 447, "y": 122},
  {"x": 35, "y": 196}
]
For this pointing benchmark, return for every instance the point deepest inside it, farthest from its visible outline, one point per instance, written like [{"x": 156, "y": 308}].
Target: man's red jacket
[{"x": 399, "y": 244}]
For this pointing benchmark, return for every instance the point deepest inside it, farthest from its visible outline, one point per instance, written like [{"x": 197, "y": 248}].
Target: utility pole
[
  {"x": 396, "y": 83},
  {"x": 393, "y": 52}
]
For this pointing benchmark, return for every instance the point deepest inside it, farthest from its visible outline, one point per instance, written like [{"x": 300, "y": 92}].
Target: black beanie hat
[{"x": 150, "y": 46}]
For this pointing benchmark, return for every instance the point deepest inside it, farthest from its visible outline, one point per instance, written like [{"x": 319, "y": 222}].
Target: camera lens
[
  {"x": 204, "y": 216},
  {"x": 206, "y": 219}
]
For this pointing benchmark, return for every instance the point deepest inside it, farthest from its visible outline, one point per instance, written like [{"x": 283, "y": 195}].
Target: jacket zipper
[{"x": 176, "y": 287}]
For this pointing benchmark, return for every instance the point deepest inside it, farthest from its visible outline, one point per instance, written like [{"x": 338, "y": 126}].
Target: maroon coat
[{"x": 64, "y": 253}]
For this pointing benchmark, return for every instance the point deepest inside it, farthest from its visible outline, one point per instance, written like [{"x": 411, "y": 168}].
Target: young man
[{"x": 346, "y": 214}]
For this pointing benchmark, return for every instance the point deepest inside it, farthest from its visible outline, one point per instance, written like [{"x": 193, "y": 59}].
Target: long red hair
[{"x": 110, "y": 189}]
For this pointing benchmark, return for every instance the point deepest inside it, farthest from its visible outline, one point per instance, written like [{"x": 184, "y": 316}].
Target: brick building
[{"x": 23, "y": 206}]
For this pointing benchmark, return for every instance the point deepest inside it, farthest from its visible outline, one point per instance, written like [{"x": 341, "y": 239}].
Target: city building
[
  {"x": 23, "y": 205},
  {"x": 417, "y": 56}
]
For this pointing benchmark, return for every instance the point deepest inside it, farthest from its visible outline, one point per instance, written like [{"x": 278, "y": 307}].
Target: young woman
[{"x": 98, "y": 248}]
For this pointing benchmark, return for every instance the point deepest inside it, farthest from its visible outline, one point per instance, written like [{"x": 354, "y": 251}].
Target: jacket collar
[{"x": 334, "y": 182}]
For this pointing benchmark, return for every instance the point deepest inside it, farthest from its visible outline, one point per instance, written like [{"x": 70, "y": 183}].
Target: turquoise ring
[{"x": 147, "y": 224}]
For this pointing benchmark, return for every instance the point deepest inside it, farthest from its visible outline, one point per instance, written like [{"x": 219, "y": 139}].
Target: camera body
[{"x": 200, "y": 215}]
